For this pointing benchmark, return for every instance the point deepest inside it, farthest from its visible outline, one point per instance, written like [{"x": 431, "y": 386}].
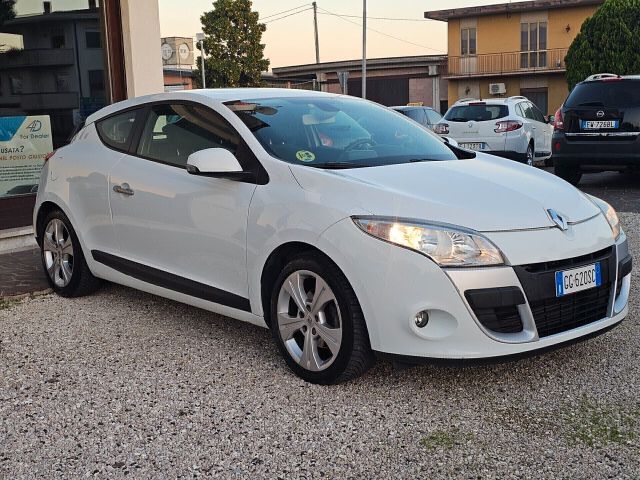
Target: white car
[
  {"x": 512, "y": 128},
  {"x": 342, "y": 226}
]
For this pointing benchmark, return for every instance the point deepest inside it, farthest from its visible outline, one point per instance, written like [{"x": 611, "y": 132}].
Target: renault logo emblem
[
  {"x": 558, "y": 219},
  {"x": 600, "y": 114}
]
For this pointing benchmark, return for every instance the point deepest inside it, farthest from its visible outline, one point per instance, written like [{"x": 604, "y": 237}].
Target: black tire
[
  {"x": 568, "y": 173},
  {"x": 355, "y": 356},
  {"x": 529, "y": 156},
  {"x": 82, "y": 281}
]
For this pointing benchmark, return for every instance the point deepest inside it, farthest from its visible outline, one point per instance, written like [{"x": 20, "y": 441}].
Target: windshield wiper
[
  {"x": 417, "y": 160},
  {"x": 338, "y": 165}
]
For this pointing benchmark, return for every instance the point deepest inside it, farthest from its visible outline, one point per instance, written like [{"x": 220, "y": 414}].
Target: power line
[
  {"x": 290, "y": 15},
  {"x": 285, "y": 11},
  {"x": 327, "y": 12},
  {"x": 382, "y": 18}
]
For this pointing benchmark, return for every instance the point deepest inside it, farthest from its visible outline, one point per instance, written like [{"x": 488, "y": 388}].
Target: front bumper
[{"x": 393, "y": 284}]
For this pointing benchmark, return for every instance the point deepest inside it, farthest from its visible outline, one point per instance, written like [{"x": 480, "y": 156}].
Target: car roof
[
  {"x": 410, "y": 107},
  {"x": 217, "y": 94},
  {"x": 492, "y": 101}
]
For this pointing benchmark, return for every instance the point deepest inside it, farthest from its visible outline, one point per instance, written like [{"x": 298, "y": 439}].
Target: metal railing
[
  {"x": 508, "y": 62},
  {"x": 36, "y": 57}
]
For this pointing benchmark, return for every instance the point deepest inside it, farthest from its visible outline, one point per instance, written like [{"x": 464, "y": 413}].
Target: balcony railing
[
  {"x": 507, "y": 63},
  {"x": 49, "y": 101},
  {"x": 36, "y": 57}
]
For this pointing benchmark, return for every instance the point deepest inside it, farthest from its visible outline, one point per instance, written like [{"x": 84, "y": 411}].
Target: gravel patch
[{"x": 127, "y": 384}]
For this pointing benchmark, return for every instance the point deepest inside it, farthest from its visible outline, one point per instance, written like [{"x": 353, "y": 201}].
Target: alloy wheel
[
  {"x": 530, "y": 156},
  {"x": 309, "y": 320},
  {"x": 57, "y": 250}
]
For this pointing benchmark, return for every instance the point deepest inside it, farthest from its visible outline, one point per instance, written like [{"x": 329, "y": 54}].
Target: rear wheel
[
  {"x": 317, "y": 322},
  {"x": 62, "y": 259},
  {"x": 529, "y": 155},
  {"x": 568, "y": 173}
]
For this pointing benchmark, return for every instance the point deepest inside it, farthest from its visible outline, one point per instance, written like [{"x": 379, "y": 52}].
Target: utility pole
[
  {"x": 315, "y": 28},
  {"x": 364, "y": 49},
  {"x": 200, "y": 38}
]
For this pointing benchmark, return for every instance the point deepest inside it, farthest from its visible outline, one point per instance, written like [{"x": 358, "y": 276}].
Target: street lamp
[{"x": 200, "y": 39}]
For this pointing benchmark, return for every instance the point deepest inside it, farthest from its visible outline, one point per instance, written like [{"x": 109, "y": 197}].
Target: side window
[
  {"x": 116, "y": 131},
  {"x": 433, "y": 116},
  {"x": 173, "y": 132},
  {"x": 519, "y": 110},
  {"x": 537, "y": 114},
  {"x": 527, "y": 110}
]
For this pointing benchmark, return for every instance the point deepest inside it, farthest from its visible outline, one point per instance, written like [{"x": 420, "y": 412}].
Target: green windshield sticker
[{"x": 305, "y": 156}]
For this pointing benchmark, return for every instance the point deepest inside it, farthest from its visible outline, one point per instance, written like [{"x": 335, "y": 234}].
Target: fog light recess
[{"x": 421, "y": 319}]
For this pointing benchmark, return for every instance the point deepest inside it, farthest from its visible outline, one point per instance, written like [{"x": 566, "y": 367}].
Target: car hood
[{"x": 486, "y": 193}]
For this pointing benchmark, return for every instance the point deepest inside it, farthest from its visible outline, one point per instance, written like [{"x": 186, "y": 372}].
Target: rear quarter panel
[{"x": 77, "y": 182}]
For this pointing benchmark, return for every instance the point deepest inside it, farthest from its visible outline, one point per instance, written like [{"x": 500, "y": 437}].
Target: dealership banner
[{"x": 24, "y": 143}]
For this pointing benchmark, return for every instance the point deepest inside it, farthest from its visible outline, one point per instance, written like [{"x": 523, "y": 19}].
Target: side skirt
[{"x": 171, "y": 281}]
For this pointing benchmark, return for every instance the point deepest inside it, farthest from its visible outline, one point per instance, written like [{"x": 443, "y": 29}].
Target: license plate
[
  {"x": 598, "y": 124},
  {"x": 473, "y": 146},
  {"x": 578, "y": 279}
]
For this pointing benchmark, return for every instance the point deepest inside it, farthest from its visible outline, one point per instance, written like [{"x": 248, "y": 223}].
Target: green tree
[
  {"x": 608, "y": 42},
  {"x": 6, "y": 10},
  {"x": 234, "y": 54}
]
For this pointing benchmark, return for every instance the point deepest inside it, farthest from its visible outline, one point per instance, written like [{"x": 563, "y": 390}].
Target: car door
[
  {"x": 538, "y": 126},
  {"x": 545, "y": 129},
  {"x": 193, "y": 228}
]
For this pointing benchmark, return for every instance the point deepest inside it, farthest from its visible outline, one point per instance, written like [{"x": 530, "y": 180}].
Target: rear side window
[
  {"x": 173, "y": 132},
  {"x": 611, "y": 93},
  {"x": 433, "y": 116},
  {"x": 116, "y": 131},
  {"x": 477, "y": 113},
  {"x": 416, "y": 114}
]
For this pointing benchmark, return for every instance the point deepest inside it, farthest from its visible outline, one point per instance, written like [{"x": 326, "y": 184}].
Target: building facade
[
  {"x": 60, "y": 61},
  {"x": 513, "y": 49},
  {"x": 177, "y": 63},
  {"x": 390, "y": 81}
]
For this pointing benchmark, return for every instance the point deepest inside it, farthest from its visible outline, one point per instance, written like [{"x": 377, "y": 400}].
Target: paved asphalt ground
[{"x": 126, "y": 384}]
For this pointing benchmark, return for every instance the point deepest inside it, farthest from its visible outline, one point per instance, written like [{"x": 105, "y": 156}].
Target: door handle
[{"x": 123, "y": 189}]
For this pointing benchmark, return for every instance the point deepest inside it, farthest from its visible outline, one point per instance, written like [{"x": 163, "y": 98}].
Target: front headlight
[
  {"x": 447, "y": 246},
  {"x": 610, "y": 214}
]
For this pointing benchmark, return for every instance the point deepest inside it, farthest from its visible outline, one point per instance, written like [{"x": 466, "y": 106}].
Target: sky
[{"x": 290, "y": 40}]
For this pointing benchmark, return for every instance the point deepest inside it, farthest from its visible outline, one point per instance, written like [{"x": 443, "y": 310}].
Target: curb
[{"x": 22, "y": 296}]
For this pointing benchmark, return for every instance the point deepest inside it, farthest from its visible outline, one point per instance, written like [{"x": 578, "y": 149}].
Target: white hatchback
[
  {"x": 345, "y": 228},
  {"x": 513, "y": 128}
]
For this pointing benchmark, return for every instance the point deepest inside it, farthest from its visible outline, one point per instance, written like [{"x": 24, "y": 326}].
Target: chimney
[{"x": 47, "y": 7}]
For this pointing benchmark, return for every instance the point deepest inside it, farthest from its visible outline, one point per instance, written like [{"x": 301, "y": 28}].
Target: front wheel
[
  {"x": 568, "y": 173},
  {"x": 317, "y": 322},
  {"x": 62, "y": 258}
]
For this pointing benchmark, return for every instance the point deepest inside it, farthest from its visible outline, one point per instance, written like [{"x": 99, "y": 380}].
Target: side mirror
[
  {"x": 451, "y": 141},
  {"x": 216, "y": 162},
  {"x": 551, "y": 119}
]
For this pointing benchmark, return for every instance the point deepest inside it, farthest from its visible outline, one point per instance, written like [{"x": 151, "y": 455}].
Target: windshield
[
  {"x": 613, "y": 94},
  {"x": 477, "y": 113},
  {"x": 337, "y": 132}
]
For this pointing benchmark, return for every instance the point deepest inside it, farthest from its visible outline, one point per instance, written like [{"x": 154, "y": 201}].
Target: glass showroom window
[{"x": 52, "y": 70}]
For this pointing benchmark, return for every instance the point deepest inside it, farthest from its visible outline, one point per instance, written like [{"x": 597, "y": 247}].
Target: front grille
[
  {"x": 556, "y": 315},
  {"x": 568, "y": 263}
]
